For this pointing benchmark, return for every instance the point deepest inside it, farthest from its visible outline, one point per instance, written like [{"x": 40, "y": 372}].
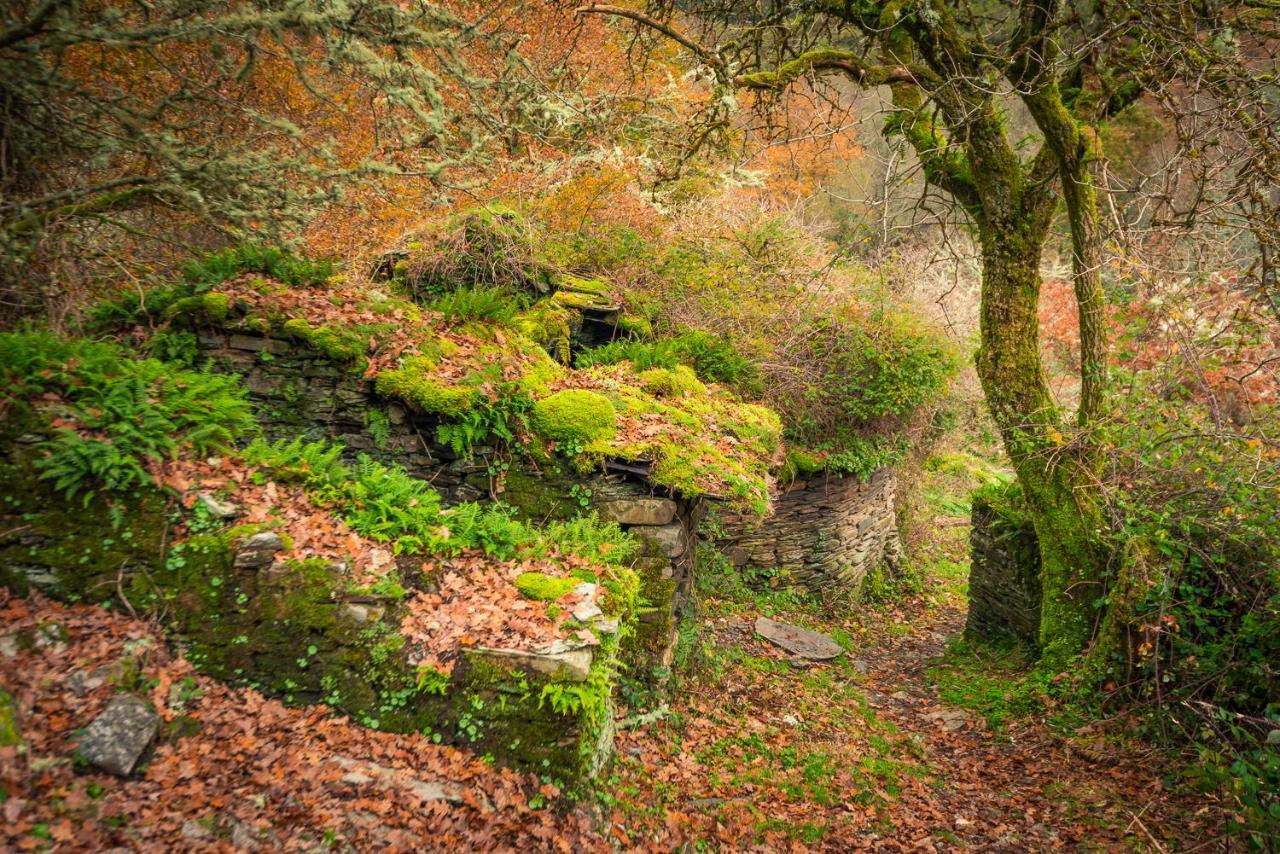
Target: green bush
[
  {"x": 110, "y": 413},
  {"x": 574, "y": 415}
]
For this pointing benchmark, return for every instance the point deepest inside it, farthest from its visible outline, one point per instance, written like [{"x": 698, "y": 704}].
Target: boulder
[
  {"x": 670, "y": 539},
  {"x": 639, "y": 511},
  {"x": 118, "y": 738}
]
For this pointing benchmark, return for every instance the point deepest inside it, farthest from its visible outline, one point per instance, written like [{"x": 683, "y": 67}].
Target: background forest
[{"x": 1021, "y": 255}]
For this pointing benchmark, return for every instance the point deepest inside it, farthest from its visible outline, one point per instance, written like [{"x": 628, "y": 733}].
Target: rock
[
  {"x": 670, "y": 539},
  {"x": 586, "y": 611},
  {"x": 791, "y": 720},
  {"x": 807, "y": 644},
  {"x": 639, "y": 511},
  {"x": 258, "y": 551},
  {"x": 559, "y": 660},
  {"x": 119, "y": 737},
  {"x": 81, "y": 682},
  {"x": 950, "y": 719},
  {"x": 859, "y": 665},
  {"x": 217, "y": 507},
  {"x": 361, "y": 614},
  {"x": 900, "y": 695},
  {"x": 195, "y": 830},
  {"x": 243, "y": 837}
]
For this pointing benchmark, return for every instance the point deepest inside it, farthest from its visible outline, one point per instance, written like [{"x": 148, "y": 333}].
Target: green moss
[
  {"x": 10, "y": 734},
  {"x": 413, "y": 384},
  {"x": 802, "y": 463},
  {"x": 574, "y": 415},
  {"x": 543, "y": 587},
  {"x": 578, "y": 284},
  {"x": 551, "y": 326},
  {"x": 341, "y": 345},
  {"x": 211, "y": 306},
  {"x": 672, "y": 382}
]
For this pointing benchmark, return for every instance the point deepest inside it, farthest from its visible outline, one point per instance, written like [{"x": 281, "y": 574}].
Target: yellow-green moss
[
  {"x": 212, "y": 306},
  {"x": 10, "y": 735},
  {"x": 574, "y": 415},
  {"x": 551, "y": 326},
  {"x": 566, "y": 282},
  {"x": 543, "y": 587},
  {"x": 413, "y": 384},
  {"x": 672, "y": 382},
  {"x": 341, "y": 345},
  {"x": 635, "y": 325}
]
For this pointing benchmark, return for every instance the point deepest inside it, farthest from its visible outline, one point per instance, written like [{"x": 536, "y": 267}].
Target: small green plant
[
  {"x": 110, "y": 414},
  {"x": 487, "y": 305}
]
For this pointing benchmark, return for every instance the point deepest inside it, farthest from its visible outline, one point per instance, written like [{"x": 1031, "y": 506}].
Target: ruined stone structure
[
  {"x": 1004, "y": 578},
  {"x": 827, "y": 532},
  {"x": 299, "y": 391}
]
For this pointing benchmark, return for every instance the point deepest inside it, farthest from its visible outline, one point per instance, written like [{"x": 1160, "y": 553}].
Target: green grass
[{"x": 996, "y": 682}]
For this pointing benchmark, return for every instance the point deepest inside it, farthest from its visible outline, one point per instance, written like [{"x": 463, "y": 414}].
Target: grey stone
[
  {"x": 670, "y": 539},
  {"x": 586, "y": 611},
  {"x": 639, "y": 511},
  {"x": 255, "y": 344},
  {"x": 814, "y": 646},
  {"x": 859, "y": 665},
  {"x": 118, "y": 738},
  {"x": 219, "y": 508},
  {"x": 258, "y": 551},
  {"x": 950, "y": 720},
  {"x": 195, "y": 830},
  {"x": 81, "y": 682},
  {"x": 361, "y": 614},
  {"x": 559, "y": 661}
]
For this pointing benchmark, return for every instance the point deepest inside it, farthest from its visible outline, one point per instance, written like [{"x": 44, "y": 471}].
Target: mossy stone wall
[
  {"x": 299, "y": 391},
  {"x": 1004, "y": 576},
  {"x": 827, "y": 532}
]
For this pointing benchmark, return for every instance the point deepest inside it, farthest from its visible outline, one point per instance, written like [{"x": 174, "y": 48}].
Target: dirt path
[{"x": 911, "y": 741}]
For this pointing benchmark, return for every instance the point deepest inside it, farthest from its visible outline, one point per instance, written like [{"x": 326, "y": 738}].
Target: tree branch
[
  {"x": 826, "y": 59},
  {"x": 708, "y": 56},
  {"x": 34, "y": 26}
]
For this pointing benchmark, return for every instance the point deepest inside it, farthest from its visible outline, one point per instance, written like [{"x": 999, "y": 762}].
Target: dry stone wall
[
  {"x": 1004, "y": 577},
  {"x": 827, "y": 533},
  {"x": 298, "y": 391}
]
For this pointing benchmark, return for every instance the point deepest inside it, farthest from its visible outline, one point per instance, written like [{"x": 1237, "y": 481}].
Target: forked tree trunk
[{"x": 1061, "y": 494}]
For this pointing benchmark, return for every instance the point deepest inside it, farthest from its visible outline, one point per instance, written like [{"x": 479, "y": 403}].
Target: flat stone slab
[
  {"x": 814, "y": 646},
  {"x": 119, "y": 737}
]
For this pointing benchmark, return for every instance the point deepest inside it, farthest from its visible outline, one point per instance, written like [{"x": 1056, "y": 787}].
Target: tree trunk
[{"x": 1062, "y": 496}]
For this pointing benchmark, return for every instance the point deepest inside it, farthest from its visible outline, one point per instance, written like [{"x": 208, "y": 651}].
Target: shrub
[
  {"x": 110, "y": 414},
  {"x": 574, "y": 415},
  {"x": 486, "y": 246}
]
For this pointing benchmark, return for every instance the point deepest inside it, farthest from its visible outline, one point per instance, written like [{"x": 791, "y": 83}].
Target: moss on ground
[
  {"x": 414, "y": 384},
  {"x": 543, "y": 587}
]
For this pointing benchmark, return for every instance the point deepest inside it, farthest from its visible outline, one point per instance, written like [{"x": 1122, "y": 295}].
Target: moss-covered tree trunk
[{"x": 1061, "y": 491}]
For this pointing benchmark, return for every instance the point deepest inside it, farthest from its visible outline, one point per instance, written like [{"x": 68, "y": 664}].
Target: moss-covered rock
[
  {"x": 672, "y": 382},
  {"x": 574, "y": 415},
  {"x": 341, "y": 345},
  {"x": 211, "y": 306},
  {"x": 543, "y": 587},
  {"x": 414, "y": 384}
]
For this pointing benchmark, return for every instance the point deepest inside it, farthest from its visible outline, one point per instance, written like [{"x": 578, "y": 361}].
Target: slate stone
[
  {"x": 118, "y": 738},
  {"x": 258, "y": 551},
  {"x": 671, "y": 539},
  {"x": 814, "y": 646},
  {"x": 639, "y": 511}
]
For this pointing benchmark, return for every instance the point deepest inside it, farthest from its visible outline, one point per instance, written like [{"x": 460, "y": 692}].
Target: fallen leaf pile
[
  {"x": 476, "y": 603},
  {"x": 315, "y": 532},
  {"x": 256, "y": 775}
]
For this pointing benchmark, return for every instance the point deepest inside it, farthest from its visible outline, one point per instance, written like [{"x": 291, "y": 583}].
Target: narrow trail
[{"x": 766, "y": 752}]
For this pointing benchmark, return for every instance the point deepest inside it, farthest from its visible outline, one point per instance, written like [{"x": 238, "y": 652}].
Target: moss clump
[
  {"x": 341, "y": 345},
  {"x": 551, "y": 326},
  {"x": 574, "y": 415},
  {"x": 672, "y": 382},
  {"x": 413, "y": 384},
  {"x": 580, "y": 285},
  {"x": 10, "y": 735},
  {"x": 800, "y": 464},
  {"x": 635, "y": 326},
  {"x": 211, "y": 306},
  {"x": 543, "y": 587}
]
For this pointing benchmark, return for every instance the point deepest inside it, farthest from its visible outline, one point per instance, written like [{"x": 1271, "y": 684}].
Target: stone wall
[
  {"x": 1004, "y": 576},
  {"x": 828, "y": 533},
  {"x": 298, "y": 391}
]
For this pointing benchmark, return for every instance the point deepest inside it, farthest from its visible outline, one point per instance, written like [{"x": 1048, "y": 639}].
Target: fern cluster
[
  {"x": 386, "y": 504},
  {"x": 502, "y": 419},
  {"x": 488, "y": 304},
  {"x": 108, "y": 413}
]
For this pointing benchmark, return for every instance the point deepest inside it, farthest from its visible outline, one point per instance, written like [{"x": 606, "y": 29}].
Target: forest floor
[{"x": 910, "y": 740}]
